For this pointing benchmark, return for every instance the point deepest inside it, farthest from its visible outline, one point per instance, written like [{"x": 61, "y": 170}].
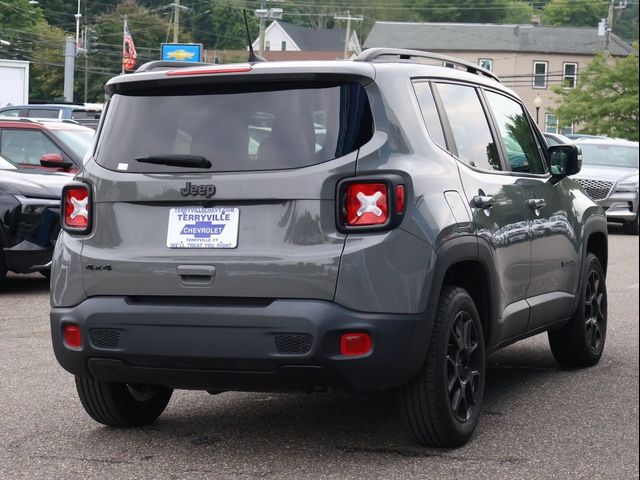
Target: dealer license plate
[{"x": 203, "y": 227}]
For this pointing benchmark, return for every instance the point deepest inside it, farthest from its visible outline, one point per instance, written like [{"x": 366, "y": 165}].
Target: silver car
[{"x": 610, "y": 177}]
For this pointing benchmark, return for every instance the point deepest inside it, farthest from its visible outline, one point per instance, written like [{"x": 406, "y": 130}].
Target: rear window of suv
[{"x": 241, "y": 128}]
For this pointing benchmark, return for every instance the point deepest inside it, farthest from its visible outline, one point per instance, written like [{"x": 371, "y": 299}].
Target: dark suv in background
[{"x": 395, "y": 224}]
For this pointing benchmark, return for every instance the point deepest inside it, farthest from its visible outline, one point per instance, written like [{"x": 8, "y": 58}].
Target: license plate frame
[{"x": 203, "y": 228}]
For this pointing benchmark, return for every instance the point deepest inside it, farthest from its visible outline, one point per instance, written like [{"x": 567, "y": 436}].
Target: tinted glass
[
  {"x": 43, "y": 113},
  {"x": 611, "y": 155},
  {"x": 25, "y": 146},
  {"x": 475, "y": 144},
  {"x": 10, "y": 113},
  {"x": 523, "y": 152},
  {"x": 430, "y": 113},
  {"x": 78, "y": 141},
  {"x": 238, "y": 129}
]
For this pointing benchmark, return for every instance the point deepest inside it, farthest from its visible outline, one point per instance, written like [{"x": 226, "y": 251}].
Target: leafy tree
[
  {"x": 626, "y": 24},
  {"x": 575, "y": 13},
  {"x": 606, "y": 98},
  {"x": 148, "y": 31},
  {"x": 222, "y": 26}
]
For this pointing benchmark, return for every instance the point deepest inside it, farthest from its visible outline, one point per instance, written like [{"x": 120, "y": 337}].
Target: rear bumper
[{"x": 235, "y": 345}]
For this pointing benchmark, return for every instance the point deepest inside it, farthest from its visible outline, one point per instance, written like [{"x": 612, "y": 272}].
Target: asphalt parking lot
[{"x": 539, "y": 420}]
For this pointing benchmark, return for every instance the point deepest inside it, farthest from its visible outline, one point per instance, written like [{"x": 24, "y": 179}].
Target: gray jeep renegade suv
[{"x": 371, "y": 225}]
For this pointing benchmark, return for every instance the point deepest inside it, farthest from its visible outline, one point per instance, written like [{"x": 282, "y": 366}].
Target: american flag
[{"x": 129, "y": 54}]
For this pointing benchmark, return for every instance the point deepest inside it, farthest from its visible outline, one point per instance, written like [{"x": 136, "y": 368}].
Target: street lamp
[{"x": 537, "y": 102}]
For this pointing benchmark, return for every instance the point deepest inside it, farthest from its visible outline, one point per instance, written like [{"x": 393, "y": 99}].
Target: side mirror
[
  {"x": 565, "y": 160},
  {"x": 54, "y": 160}
]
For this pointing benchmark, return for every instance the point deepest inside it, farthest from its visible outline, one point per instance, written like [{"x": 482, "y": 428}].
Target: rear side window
[
  {"x": 469, "y": 126},
  {"x": 236, "y": 128},
  {"x": 430, "y": 113},
  {"x": 43, "y": 113}
]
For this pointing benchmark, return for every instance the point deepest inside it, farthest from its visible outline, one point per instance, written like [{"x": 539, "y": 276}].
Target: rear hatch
[{"x": 222, "y": 188}]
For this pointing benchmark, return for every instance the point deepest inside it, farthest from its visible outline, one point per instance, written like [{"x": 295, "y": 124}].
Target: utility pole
[
  {"x": 176, "y": 20},
  {"x": 78, "y": 17},
  {"x": 610, "y": 20},
  {"x": 348, "y": 18},
  {"x": 263, "y": 20},
  {"x": 264, "y": 14},
  {"x": 69, "y": 65}
]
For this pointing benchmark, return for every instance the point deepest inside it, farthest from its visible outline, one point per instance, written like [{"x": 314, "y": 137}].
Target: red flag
[{"x": 129, "y": 54}]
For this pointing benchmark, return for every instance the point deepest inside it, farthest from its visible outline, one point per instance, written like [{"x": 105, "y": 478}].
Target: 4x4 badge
[{"x": 198, "y": 190}]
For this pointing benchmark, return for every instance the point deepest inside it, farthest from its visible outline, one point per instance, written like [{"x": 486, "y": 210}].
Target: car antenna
[{"x": 253, "y": 58}]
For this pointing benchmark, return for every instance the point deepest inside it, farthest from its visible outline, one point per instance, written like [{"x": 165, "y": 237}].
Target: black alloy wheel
[
  {"x": 442, "y": 405},
  {"x": 595, "y": 310},
  {"x": 580, "y": 342},
  {"x": 463, "y": 367}
]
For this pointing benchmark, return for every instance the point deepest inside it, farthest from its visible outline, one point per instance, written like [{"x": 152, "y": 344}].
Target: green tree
[
  {"x": 606, "y": 99},
  {"x": 576, "y": 13},
  {"x": 222, "y": 27},
  {"x": 148, "y": 31}
]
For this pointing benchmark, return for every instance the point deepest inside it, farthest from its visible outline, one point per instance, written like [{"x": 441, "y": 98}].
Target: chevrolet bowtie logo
[{"x": 368, "y": 204}]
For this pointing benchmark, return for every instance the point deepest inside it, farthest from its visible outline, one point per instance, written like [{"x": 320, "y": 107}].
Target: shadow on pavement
[{"x": 21, "y": 284}]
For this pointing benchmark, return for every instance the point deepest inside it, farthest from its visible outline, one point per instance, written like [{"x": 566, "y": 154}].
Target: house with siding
[
  {"x": 286, "y": 41},
  {"x": 530, "y": 59}
]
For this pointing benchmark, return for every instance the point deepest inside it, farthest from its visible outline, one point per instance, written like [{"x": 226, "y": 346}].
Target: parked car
[
  {"x": 87, "y": 115},
  {"x": 45, "y": 145},
  {"x": 556, "y": 139},
  {"x": 577, "y": 136},
  {"x": 397, "y": 256},
  {"x": 610, "y": 177},
  {"x": 29, "y": 218}
]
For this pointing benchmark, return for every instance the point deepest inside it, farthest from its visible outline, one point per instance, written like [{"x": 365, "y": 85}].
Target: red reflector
[
  {"x": 400, "y": 198},
  {"x": 72, "y": 337},
  {"x": 209, "y": 70},
  {"x": 76, "y": 208},
  {"x": 353, "y": 344},
  {"x": 367, "y": 204}
]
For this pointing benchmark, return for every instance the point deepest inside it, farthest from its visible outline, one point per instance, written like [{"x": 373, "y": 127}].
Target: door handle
[
  {"x": 197, "y": 275},
  {"x": 483, "y": 201},
  {"x": 536, "y": 203}
]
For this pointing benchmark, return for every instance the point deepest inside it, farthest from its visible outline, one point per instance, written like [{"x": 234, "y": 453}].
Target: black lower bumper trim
[{"x": 235, "y": 347}]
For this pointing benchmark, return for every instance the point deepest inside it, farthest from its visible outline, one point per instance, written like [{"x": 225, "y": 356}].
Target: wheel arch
[{"x": 467, "y": 262}]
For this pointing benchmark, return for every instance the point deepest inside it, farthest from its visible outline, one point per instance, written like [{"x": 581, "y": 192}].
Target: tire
[
  {"x": 631, "y": 228},
  {"x": 580, "y": 342},
  {"x": 122, "y": 405},
  {"x": 3, "y": 267},
  {"x": 442, "y": 405}
]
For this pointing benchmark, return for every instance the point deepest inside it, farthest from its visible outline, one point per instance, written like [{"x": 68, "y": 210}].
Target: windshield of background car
[
  {"x": 79, "y": 141},
  {"x": 609, "y": 155},
  {"x": 237, "y": 128}
]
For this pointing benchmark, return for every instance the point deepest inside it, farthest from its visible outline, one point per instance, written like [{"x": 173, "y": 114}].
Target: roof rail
[
  {"x": 371, "y": 54},
  {"x": 167, "y": 65}
]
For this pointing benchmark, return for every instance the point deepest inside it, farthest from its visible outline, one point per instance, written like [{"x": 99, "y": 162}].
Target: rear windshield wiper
[{"x": 176, "y": 160}]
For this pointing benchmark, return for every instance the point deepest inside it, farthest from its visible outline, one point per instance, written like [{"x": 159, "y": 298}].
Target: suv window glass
[
  {"x": 241, "y": 128},
  {"x": 43, "y": 113},
  {"x": 430, "y": 113},
  {"x": 523, "y": 152},
  {"x": 469, "y": 125},
  {"x": 10, "y": 113},
  {"x": 26, "y": 146}
]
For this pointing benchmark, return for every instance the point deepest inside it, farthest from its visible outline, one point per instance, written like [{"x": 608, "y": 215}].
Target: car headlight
[{"x": 629, "y": 184}]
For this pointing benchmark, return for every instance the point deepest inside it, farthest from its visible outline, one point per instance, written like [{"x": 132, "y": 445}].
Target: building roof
[
  {"x": 311, "y": 39},
  {"x": 491, "y": 37}
]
